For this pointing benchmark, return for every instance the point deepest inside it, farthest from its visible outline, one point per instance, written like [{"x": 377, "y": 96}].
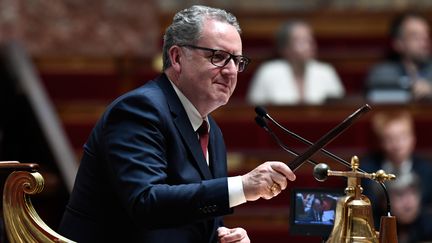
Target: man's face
[
  {"x": 317, "y": 205},
  {"x": 405, "y": 204},
  {"x": 397, "y": 141},
  {"x": 204, "y": 84},
  {"x": 301, "y": 47},
  {"x": 414, "y": 39}
]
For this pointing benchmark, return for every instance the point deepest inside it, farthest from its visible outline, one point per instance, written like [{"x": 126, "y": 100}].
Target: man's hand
[
  {"x": 421, "y": 89},
  {"x": 237, "y": 235},
  {"x": 267, "y": 180}
]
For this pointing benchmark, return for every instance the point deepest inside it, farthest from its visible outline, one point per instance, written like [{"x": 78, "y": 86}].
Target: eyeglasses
[{"x": 221, "y": 58}]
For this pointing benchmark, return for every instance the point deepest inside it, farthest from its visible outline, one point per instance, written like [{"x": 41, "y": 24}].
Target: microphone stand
[
  {"x": 262, "y": 123},
  {"x": 261, "y": 112},
  {"x": 324, "y": 140}
]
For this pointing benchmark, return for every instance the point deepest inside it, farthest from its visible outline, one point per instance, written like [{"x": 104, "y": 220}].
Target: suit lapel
[
  {"x": 191, "y": 140},
  {"x": 213, "y": 155},
  {"x": 184, "y": 127}
]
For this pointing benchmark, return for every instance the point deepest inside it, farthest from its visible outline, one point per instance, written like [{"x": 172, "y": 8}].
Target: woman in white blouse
[{"x": 297, "y": 77}]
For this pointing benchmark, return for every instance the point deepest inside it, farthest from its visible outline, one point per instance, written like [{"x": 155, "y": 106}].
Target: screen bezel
[{"x": 310, "y": 229}]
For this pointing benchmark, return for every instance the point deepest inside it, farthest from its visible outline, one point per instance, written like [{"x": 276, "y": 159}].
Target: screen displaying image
[{"x": 313, "y": 210}]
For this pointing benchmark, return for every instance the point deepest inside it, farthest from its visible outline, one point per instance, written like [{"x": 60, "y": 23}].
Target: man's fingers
[
  {"x": 235, "y": 235},
  {"x": 279, "y": 179},
  {"x": 223, "y": 231},
  {"x": 283, "y": 169},
  {"x": 421, "y": 89},
  {"x": 267, "y": 180}
]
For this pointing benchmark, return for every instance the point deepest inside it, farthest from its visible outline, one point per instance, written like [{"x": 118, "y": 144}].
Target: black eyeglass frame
[{"x": 238, "y": 59}]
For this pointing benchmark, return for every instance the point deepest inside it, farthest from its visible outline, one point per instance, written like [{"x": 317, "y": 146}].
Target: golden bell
[{"x": 354, "y": 220}]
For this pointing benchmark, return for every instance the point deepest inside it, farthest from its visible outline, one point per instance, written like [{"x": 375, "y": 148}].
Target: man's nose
[{"x": 231, "y": 65}]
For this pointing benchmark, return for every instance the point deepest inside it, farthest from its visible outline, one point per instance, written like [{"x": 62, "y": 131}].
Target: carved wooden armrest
[
  {"x": 15, "y": 165},
  {"x": 22, "y": 222}
]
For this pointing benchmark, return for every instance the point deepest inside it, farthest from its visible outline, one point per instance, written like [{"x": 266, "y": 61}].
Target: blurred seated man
[
  {"x": 408, "y": 75},
  {"x": 296, "y": 77},
  {"x": 413, "y": 222},
  {"x": 396, "y": 136}
]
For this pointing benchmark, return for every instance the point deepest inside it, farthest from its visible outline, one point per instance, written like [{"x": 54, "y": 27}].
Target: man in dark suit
[
  {"x": 315, "y": 213},
  {"x": 413, "y": 222},
  {"x": 407, "y": 75},
  {"x": 154, "y": 168}
]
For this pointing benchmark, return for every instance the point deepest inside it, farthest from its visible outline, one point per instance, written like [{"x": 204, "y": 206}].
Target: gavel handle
[{"x": 328, "y": 137}]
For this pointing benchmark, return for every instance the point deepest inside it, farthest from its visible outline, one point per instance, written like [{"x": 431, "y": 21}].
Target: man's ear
[{"x": 175, "y": 55}]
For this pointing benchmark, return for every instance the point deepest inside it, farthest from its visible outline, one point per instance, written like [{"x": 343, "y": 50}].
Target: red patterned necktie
[{"x": 203, "y": 137}]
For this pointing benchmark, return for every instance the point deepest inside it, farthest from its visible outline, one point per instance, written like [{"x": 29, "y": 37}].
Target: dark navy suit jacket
[{"x": 143, "y": 176}]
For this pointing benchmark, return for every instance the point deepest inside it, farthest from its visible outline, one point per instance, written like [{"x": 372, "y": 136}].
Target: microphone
[
  {"x": 262, "y": 123},
  {"x": 261, "y": 112}
]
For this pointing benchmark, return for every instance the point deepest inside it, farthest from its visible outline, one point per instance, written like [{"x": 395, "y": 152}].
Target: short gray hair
[{"x": 186, "y": 27}]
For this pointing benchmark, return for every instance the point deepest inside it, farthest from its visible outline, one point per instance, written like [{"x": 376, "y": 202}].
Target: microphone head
[
  {"x": 320, "y": 172},
  {"x": 260, "y": 121},
  {"x": 261, "y": 111}
]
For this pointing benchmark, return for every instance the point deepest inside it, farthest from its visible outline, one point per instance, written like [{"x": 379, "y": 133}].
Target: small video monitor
[{"x": 312, "y": 210}]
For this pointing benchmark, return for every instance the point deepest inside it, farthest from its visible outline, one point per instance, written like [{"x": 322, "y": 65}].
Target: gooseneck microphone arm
[
  {"x": 263, "y": 113},
  {"x": 262, "y": 123},
  {"x": 328, "y": 137}
]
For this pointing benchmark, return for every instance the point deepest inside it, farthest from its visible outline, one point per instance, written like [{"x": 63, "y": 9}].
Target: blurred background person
[
  {"x": 315, "y": 213},
  {"x": 413, "y": 221},
  {"x": 300, "y": 212},
  {"x": 396, "y": 137},
  {"x": 407, "y": 75},
  {"x": 329, "y": 207},
  {"x": 297, "y": 77}
]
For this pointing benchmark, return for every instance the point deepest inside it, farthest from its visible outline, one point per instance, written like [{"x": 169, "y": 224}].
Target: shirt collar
[{"x": 191, "y": 111}]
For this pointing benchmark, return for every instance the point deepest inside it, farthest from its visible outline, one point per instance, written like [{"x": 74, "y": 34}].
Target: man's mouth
[{"x": 224, "y": 85}]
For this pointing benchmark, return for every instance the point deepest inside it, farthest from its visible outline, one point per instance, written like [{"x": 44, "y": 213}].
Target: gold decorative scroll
[{"x": 22, "y": 222}]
